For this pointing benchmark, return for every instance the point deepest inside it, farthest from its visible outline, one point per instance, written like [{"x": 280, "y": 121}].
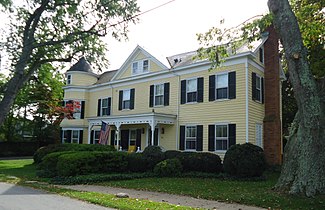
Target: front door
[{"x": 155, "y": 139}]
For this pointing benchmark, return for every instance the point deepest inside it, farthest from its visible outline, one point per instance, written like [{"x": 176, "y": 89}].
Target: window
[
  {"x": 72, "y": 136},
  {"x": 222, "y": 86},
  {"x": 258, "y": 88},
  {"x": 191, "y": 90},
  {"x": 159, "y": 95},
  {"x": 261, "y": 54},
  {"x": 75, "y": 136},
  {"x": 221, "y": 137},
  {"x": 68, "y": 79},
  {"x": 133, "y": 137},
  {"x": 259, "y": 135},
  {"x": 190, "y": 138},
  {"x": 65, "y": 137},
  {"x": 126, "y": 99},
  {"x": 139, "y": 67},
  {"x": 96, "y": 137},
  {"x": 76, "y": 107},
  {"x": 104, "y": 106}
]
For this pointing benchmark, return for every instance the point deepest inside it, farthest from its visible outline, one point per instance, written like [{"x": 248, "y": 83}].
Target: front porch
[{"x": 134, "y": 132}]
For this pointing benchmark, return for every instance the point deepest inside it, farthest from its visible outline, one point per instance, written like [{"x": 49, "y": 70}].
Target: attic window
[
  {"x": 139, "y": 67},
  {"x": 261, "y": 54},
  {"x": 68, "y": 79}
]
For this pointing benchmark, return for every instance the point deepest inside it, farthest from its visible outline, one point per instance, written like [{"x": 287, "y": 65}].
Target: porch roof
[{"x": 151, "y": 118}]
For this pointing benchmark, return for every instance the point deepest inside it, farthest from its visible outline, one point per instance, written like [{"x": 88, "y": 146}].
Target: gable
[{"x": 139, "y": 62}]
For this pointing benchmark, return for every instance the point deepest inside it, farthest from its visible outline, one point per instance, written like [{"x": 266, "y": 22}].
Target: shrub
[
  {"x": 169, "y": 167},
  {"x": 201, "y": 162},
  {"x": 153, "y": 155},
  {"x": 43, "y": 151},
  {"x": 170, "y": 154},
  {"x": 79, "y": 163},
  {"x": 136, "y": 162},
  {"x": 244, "y": 160}
]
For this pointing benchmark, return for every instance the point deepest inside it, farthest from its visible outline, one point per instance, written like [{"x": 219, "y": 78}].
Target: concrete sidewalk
[{"x": 162, "y": 197}]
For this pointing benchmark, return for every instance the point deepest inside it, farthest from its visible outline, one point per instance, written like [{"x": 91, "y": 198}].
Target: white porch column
[
  {"x": 117, "y": 133},
  {"x": 153, "y": 126},
  {"x": 90, "y": 126}
]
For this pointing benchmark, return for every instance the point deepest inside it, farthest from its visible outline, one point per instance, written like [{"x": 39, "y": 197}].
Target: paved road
[{"x": 14, "y": 197}]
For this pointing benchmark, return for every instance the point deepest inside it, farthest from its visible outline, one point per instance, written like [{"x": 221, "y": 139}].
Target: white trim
[
  {"x": 186, "y": 126},
  {"x": 216, "y": 83},
  {"x": 196, "y": 91},
  {"x": 83, "y": 72},
  {"x": 256, "y": 65},
  {"x": 215, "y": 137},
  {"x": 154, "y": 95},
  {"x": 246, "y": 100}
]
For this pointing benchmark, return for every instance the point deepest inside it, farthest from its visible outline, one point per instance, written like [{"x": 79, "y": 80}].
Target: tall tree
[{"x": 49, "y": 31}]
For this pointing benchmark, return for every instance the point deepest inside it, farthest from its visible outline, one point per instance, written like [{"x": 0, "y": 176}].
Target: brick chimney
[{"x": 272, "y": 121}]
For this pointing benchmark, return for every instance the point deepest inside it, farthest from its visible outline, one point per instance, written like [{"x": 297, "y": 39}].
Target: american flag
[{"x": 104, "y": 132}]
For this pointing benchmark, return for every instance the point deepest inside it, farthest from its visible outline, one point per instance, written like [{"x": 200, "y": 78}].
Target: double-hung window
[
  {"x": 96, "y": 136},
  {"x": 159, "y": 95},
  {"x": 126, "y": 99},
  {"x": 190, "y": 138},
  {"x": 68, "y": 79},
  {"x": 222, "y": 86},
  {"x": 104, "y": 106},
  {"x": 139, "y": 67},
  {"x": 221, "y": 137},
  {"x": 258, "y": 88},
  {"x": 133, "y": 137},
  {"x": 75, "y": 136},
  {"x": 191, "y": 90}
]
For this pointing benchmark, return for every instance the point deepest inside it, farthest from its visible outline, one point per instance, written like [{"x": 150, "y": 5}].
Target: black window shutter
[
  {"x": 80, "y": 136},
  {"x": 166, "y": 94},
  {"x": 138, "y": 139},
  {"x": 125, "y": 139},
  {"x": 262, "y": 90},
  {"x": 183, "y": 91},
  {"x": 199, "y": 138},
  {"x": 92, "y": 136},
  {"x": 132, "y": 94},
  {"x": 232, "y": 85},
  {"x": 254, "y": 86},
  {"x": 152, "y": 89},
  {"x": 82, "y": 114},
  {"x": 112, "y": 137},
  {"x": 212, "y": 88},
  {"x": 182, "y": 138},
  {"x": 232, "y": 134},
  {"x": 99, "y": 105},
  {"x": 200, "y": 88},
  {"x": 69, "y": 135},
  {"x": 211, "y": 138},
  {"x": 120, "y": 99},
  {"x": 109, "y": 102}
]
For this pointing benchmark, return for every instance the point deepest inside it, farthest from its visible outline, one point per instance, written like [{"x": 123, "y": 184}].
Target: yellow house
[{"x": 183, "y": 106}]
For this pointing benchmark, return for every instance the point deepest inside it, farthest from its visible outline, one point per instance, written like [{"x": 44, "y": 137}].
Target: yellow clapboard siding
[{"x": 81, "y": 78}]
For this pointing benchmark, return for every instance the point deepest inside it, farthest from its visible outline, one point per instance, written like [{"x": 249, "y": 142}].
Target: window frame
[
  {"x": 69, "y": 79},
  {"x": 73, "y": 138},
  {"x": 191, "y": 92},
  {"x": 141, "y": 67},
  {"x": 259, "y": 134},
  {"x": 96, "y": 140},
  {"x": 261, "y": 54},
  {"x": 216, "y": 85},
  {"x": 190, "y": 138},
  {"x": 160, "y": 95},
  {"x": 129, "y": 100},
  {"x": 258, "y": 96},
  {"x": 221, "y": 138},
  {"x": 102, "y": 107},
  {"x": 132, "y": 139}
]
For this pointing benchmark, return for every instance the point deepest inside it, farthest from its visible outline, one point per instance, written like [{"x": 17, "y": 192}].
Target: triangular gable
[{"x": 132, "y": 57}]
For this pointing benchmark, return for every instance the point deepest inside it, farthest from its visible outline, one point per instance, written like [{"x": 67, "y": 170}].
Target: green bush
[
  {"x": 153, "y": 155},
  {"x": 170, "y": 154},
  {"x": 136, "y": 162},
  {"x": 85, "y": 162},
  {"x": 201, "y": 162},
  {"x": 244, "y": 160},
  {"x": 168, "y": 168},
  {"x": 43, "y": 151}
]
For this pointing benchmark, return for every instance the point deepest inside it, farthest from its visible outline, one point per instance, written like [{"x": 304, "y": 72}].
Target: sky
[{"x": 172, "y": 28}]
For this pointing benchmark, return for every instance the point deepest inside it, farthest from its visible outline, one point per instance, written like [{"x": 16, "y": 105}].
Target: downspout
[{"x": 246, "y": 99}]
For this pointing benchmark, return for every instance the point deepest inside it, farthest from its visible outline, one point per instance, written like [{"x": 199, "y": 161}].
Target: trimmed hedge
[
  {"x": 153, "y": 155},
  {"x": 43, "y": 151},
  {"x": 245, "y": 160},
  {"x": 136, "y": 162},
  {"x": 201, "y": 162},
  {"x": 168, "y": 168}
]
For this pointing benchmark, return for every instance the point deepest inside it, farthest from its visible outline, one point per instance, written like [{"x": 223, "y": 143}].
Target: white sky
[{"x": 172, "y": 29}]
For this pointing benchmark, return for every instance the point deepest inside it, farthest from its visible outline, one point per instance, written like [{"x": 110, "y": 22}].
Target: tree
[
  {"x": 51, "y": 32},
  {"x": 304, "y": 157}
]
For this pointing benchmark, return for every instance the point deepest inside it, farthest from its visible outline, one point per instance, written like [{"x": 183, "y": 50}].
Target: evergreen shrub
[
  {"x": 244, "y": 160},
  {"x": 168, "y": 168},
  {"x": 136, "y": 162},
  {"x": 153, "y": 155}
]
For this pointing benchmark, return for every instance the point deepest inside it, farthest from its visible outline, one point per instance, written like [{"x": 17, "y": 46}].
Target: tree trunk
[{"x": 304, "y": 157}]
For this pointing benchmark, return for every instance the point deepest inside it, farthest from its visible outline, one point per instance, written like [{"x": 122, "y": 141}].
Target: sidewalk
[{"x": 163, "y": 197}]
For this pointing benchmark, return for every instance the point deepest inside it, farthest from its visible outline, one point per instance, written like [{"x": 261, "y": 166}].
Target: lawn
[{"x": 256, "y": 193}]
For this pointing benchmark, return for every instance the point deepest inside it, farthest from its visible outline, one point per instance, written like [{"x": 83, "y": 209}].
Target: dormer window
[
  {"x": 139, "y": 67},
  {"x": 68, "y": 79}
]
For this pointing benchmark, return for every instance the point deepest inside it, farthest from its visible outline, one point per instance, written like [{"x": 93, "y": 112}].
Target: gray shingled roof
[
  {"x": 81, "y": 65},
  {"x": 106, "y": 77}
]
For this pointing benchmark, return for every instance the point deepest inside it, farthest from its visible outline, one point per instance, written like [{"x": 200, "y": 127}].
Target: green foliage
[
  {"x": 244, "y": 160},
  {"x": 136, "y": 162},
  {"x": 153, "y": 155},
  {"x": 43, "y": 151},
  {"x": 201, "y": 162},
  {"x": 84, "y": 162},
  {"x": 170, "y": 154},
  {"x": 168, "y": 168}
]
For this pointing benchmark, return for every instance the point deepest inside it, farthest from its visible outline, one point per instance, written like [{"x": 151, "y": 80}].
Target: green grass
[{"x": 22, "y": 169}]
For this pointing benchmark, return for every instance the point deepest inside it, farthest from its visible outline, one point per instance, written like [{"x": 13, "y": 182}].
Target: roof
[
  {"x": 82, "y": 65},
  {"x": 106, "y": 77}
]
